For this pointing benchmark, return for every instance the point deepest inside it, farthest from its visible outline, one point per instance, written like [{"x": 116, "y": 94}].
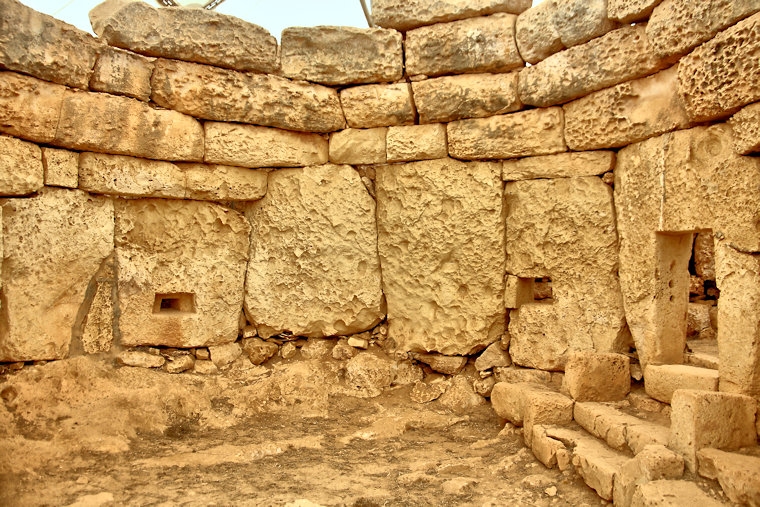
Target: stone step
[
  {"x": 669, "y": 493},
  {"x": 738, "y": 473},
  {"x": 702, "y": 353},
  {"x": 661, "y": 381},
  {"x": 619, "y": 430}
]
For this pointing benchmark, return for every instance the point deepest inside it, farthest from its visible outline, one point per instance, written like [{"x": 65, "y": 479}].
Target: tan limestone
[
  {"x": 561, "y": 165},
  {"x": 378, "y": 105},
  {"x": 335, "y": 55},
  {"x": 630, "y": 11},
  {"x": 598, "y": 465},
  {"x": 314, "y": 269},
  {"x": 736, "y": 473},
  {"x": 251, "y": 146},
  {"x": 537, "y": 37},
  {"x": 450, "y": 98},
  {"x": 579, "y": 21},
  {"x": 619, "y": 430},
  {"x": 671, "y": 493},
  {"x": 594, "y": 376},
  {"x": 97, "y": 327},
  {"x": 122, "y": 73},
  {"x": 181, "y": 267},
  {"x": 508, "y": 399},
  {"x": 29, "y": 108},
  {"x": 140, "y": 359},
  {"x": 358, "y": 146},
  {"x": 130, "y": 176},
  {"x": 698, "y": 321},
  {"x": 661, "y": 381},
  {"x": 195, "y": 35},
  {"x": 653, "y": 463},
  {"x": 53, "y": 244},
  {"x": 494, "y": 356},
  {"x": 21, "y": 169},
  {"x": 704, "y": 255},
  {"x": 226, "y": 95},
  {"x": 205, "y": 182},
  {"x": 441, "y": 243},
  {"x": 746, "y": 127},
  {"x": 406, "y": 14},
  {"x": 416, "y": 142},
  {"x": 518, "y": 291},
  {"x": 61, "y": 167},
  {"x": 544, "y": 407},
  {"x": 483, "y": 44},
  {"x": 448, "y": 365},
  {"x": 528, "y": 133}
]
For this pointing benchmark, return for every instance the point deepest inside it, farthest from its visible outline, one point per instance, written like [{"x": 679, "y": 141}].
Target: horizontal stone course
[
  {"x": 561, "y": 165},
  {"x": 406, "y": 14}
]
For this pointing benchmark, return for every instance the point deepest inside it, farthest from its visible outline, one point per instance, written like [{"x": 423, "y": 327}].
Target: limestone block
[
  {"x": 515, "y": 374},
  {"x": 377, "y": 105},
  {"x": 181, "y": 268},
  {"x": 661, "y": 381},
  {"x": 700, "y": 419},
  {"x": 97, "y": 327},
  {"x": 194, "y": 35},
  {"x": 130, "y": 176},
  {"x": 53, "y": 245},
  {"x": 697, "y": 319},
  {"x": 618, "y": 429},
  {"x": 545, "y": 407},
  {"x": 579, "y": 21},
  {"x": 561, "y": 165},
  {"x": 406, "y": 14},
  {"x": 140, "y": 359},
  {"x": 627, "y": 113},
  {"x": 123, "y": 126},
  {"x": 314, "y": 269},
  {"x": 21, "y": 169},
  {"x": 450, "y": 98},
  {"x": 676, "y": 26},
  {"x": 618, "y": 56},
  {"x": 334, "y": 55},
  {"x": 44, "y": 47},
  {"x": 225, "y": 354},
  {"x": 61, "y": 167},
  {"x": 704, "y": 256},
  {"x": 358, "y": 146},
  {"x": 630, "y": 11},
  {"x": 493, "y": 356},
  {"x": 667, "y": 493},
  {"x": 416, "y": 142},
  {"x": 746, "y": 127},
  {"x": 448, "y": 365},
  {"x": 508, "y": 399},
  {"x": 29, "y": 108},
  {"x": 546, "y": 449},
  {"x": 227, "y": 95},
  {"x": 655, "y": 462},
  {"x": 122, "y": 73},
  {"x": 537, "y": 37},
  {"x": 707, "y": 78},
  {"x": 204, "y": 182},
  {"x": 598, "y": 465},
  {"x": 483, "y": 44},
  {"x": 441, "y": 243},
  {"x": 736, "y": 473},
  {"x": 594, "y": 376},
  {"x": 518, "y": 291},
  {"x": 528, "y": 133},
  {"x": 251, "y": 146},
  {"x": 367, "y": 375},
  {"x": 556, "y": 227}
]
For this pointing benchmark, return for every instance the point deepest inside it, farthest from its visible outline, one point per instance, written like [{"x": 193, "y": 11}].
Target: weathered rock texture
[
  {"x": 561, "y": 165},
  {"x": 31, "y": 108},
  {"x": 21, "y": 169},
  {"x": 122, "y": 73},
  {"x": 378, "y": 105},
  {"x": 406, "y": 14}
]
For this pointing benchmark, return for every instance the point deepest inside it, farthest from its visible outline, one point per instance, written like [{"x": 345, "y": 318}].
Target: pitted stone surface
[
  {"x": 537, "y": 37},
  {"x": 416, "y": 142},
  {"x": 130, "y": 176},
  {"x": 314, "y": 269},
  {"x": 122, "y": 73},
  {"x": 29, "y": 108},
  {"x": 358, "y": 146},
  {"x": 746, "y": 127},
  {"x": 214, "y": 182},
  {"x": 630, "y": 11},
  {"x": 579, "y": 21},
  {"x": 378, "y": 105},
  {"x": 61, "y": 167},
  {"x": 21, "y": 169},
  {"x": 406, "y": 14},
  {"x": 561, "y": 165}
]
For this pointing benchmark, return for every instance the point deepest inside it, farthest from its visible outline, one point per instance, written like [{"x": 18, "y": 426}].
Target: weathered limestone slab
[
  {"x": 707, "y": 78},
  {"x": 528, "y": 133},
  {"x": 537, "y": 37},
  {"x": 630, "y": 11},
  {"x": 53, "y": 245},
  {"x": 129, "y": 176},
  {"x": 407, "y": 14},
  {"x": 598, "y": 465},
  {"x": 224, "y": 183},
  {"x": 544, "y": 407},
  {"x": 314, "y": 269},
  {"x": 122, "y": 73},
  {"x": 618, "y": 56},
  {"x": 226, "y": 95},
  {"x": 736, "y": 473},
  {"x": 334, "y": 55},
  {"x": 627, "y": 113},
  {"x": 508, "y": 399},
  {"x": 548, "y": 450},
  {"x": 702, "y": 419},
  {"x": 661, "y": 381},
  {"x": 556, "y": 227},
  {"x": 594, "y": 376},
  {"x": 484, "y": 44},
  {"x": 746, "y": 127},
  {"x": 441, "y": 243},
  {"x": 655, "y": 462},
  {"x": 21, "y": 169},
  {"x": 29, "y": 108},
  {"x": 493, "y": 357},
  {"x": 123, "y": 126},
  {"x": 676, "y": 26},
  {"x": 194, "y": 35},
  {"x": 450, "y": 98},
  {"x": 378, "y": 105},
  {"x": 416, "y": 142},
  {"x": 61, "y": 167},
  {"x": 44, "y": 47},
  {"x": 358, "y": 146},
  {"x": 561, "y": 165},
  {"x": 448, "y": 365},
  {"x": 618, "y": 429},
  {"x": 181, "y": 269},
  {"x": 251, "y": 146},
  {"x": 667, "y": 493}
]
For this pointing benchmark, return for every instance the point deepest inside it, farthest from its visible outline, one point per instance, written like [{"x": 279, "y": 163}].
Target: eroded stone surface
[
  {"x": 655, "y": 462},
  {"x": 661, "y": 381},
  {"x": 378, "y": 105},
  {"x": 537, "y": 37},
  {"x": 129, "y": 176},
  {"x": 207, "y": 182},
  {"x": 416, "y": 142},
  {"x": 405, "y": 14},
  {"x": 736, "y": 473},
  {"x": 594, "y": 376},
  {"x": 630, "y": 11},
  {"x": 579, "y": 21},
  {"x": 61, "y": 167},
  {"x": 746, "y": 127},
  {"x": 30, "y": 108},
  {"x": 122, "y": 73},
  {"x": 358, "y": 146},
  {"x": 671, "y": 493},
  {"x": 21, "y": 169},
  {"x": 561, "y": 165}
]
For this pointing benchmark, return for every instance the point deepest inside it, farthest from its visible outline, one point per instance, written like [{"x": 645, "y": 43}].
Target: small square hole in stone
[
  {"x": 542, "y": 290},
  {"x": 178, "y": 302}
]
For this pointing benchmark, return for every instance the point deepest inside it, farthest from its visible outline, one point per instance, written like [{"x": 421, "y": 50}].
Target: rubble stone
[
  {"x": 423, "y": 392},
  {"x": 736, "y": 473},
  {"x": 21, "y": 168},
  {"x": 30, "y": 108},
  {"x": 140, "y": 359},
  {"x": 367, "y": 375},
  {"x": 561, "y": 165},
  {"x": 61, "y": 167},
  {"x": 180, "y": 364},
  {"x": 661, "y": 381},
  {"x": 405, "y": 14},
  {"x": 416, "y": 142},
  {"x": 448, "y": 365},
  {"x": 225, "y": 354},
  {"x": 378, "y": 105},
  {"x": 358, "y": 146},
  {"x": 258, "y": 350},
  {"x": 667, "y": 493},
  {"x": 746, "y": 128},
  {"x": 630, "y": 11},
  {"x": 493, "y": 356},
  {"x": 460, "y": 397},
  {"x": 593, "y": 376},
  {"x": 122, "y": 73}
]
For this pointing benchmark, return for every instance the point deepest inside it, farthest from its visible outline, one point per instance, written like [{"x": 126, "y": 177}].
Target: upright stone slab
[
  {"x": 441, "y": 243},
  {"x": 53, "y": 245},
  {"x": 335, "y": 55},
  {"x": 122, "y": 73},
  {"x": 181, "y": 270},
  {"x": 21, "y": 169},
  {"x": 406, "y": 14},
  {"x": 378, "y": 105},
  {"x": 29, "y": 108},
  {"x": 314, "y": 269},
  {"x": 594, "y": 376},
  {"x": 193, "y": 35}
]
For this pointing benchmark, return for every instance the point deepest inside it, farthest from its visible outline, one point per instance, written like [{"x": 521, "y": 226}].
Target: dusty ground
[{"x": 83, "y": 432}]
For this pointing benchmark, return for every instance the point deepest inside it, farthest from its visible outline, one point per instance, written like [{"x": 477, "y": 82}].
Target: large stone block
[
  {"x": 406, "y": 14},
  {"x": 545, "y": 407},
  {"x": 335, "y": 55},
  {"x": 181, "y": 270},
  {"x": 251, "y": 146},
  {"x": 561, "y": 165},
  {"x": 746, "y": 127},
  {"x": 314, "y": 269},
  {"x": 61, "y": 167},
  {"x": 205, "y": 182},
  {"x": 556, "y": 227},
  {"x": 630, "y": 11},
  {"x": 508, "y": 399},
  {"x": 194, "y": 35},
  {"x": 358, "y": 146},
  {"x": 441, "y": 243},
  {"x": 485, "y": 44},
  {"x": 528, "y": 133},
  {"x": 627, "y": 113},
  {"x": 618, "y": 56},
  {"x": 21, "y": 169},
  {"x": 44, "y": 47},
  {"x": 120, "y": 72},
  {"x": 450, "y": 98},
  {"x": 378, "y": 105},
  {"x": 130, "y": 176},
  {"x": 737, "y": 474},
  {"x": 123, "y": 126},
  {"x": 53, "y": 245},
  {"x": 226, "y": 95},
  {"x": 29, "y": 108},
  {"x": 594, "y": 376},
  {"x": 535, "y": 33},
  {"x": 707, "y": 78},
  {"x": 661, "y": 381},
  {"x": 416, "y": 142},
  {"x": 579, "y": 21}
]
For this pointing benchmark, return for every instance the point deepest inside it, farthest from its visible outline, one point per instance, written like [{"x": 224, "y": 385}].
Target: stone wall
[{"x": 472, "y": 173}]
